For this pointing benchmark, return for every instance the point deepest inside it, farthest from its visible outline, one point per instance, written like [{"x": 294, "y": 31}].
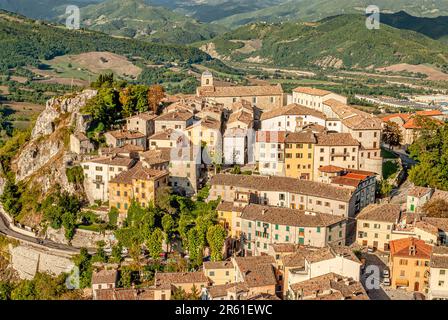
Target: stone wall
[
  {"x": 82, "y": 238},
  {"x": 27, "y": 260}
]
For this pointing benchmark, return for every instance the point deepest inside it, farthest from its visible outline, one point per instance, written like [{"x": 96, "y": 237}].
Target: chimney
[{"x": 263, "y": 212}]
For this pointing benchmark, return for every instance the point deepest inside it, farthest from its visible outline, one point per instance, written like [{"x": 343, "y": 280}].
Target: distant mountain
[
  {"x": 212, "y": 10},
  {"x": 41, "y": 9},
  {"x": 136, "y": 19},
  {"x": 436, "y": 28},
  {"x": 342, "y": 42},
  {"x": 227, "y": 13}
]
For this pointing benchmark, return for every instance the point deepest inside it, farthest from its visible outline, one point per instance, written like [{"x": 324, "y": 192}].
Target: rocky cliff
[{"x": 43, "y": 160}]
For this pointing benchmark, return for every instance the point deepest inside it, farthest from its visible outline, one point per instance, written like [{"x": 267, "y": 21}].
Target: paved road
[{"x": 4, "y": 229}]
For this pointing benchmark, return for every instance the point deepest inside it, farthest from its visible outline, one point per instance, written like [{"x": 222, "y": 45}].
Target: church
[{"x": 266, "y": 97}]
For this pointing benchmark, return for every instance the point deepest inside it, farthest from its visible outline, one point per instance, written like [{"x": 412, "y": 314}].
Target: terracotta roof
[
  {"x": 314, "y": 127},
  {"x": 440, "y": 194},
  {"x": 156, "y": 156},
  {"x": 312, "y": 91},
  {"x": 439, "y": 223},
  {"x": 218, "y": 265},
  {"x": 292, "y": 110},
  {"x": 240, "y": 91},
  {"x": 429, "y": 113},
  {"x": 381, "y": 212},
  {"x": 288, "y": 217},
  {"x": 206, "y": 122},
  {"x": 147, "y": 116},
  {"x": 350, "y": 179},
  {"x": 125, "y": 294},
  {"x": 263, "y": 297},
  {"x": 271, "y": 136},
  {"x": 330, "y": 286},
  {"x": 127, "y": 148},
  {"x": 113, "y": 161},
  {"x": 427, "y": 227},
  {"x": 104, "y": 276},
  {"x": 242, "y": 104},
  {"x": 126, "y": 134},
  {"x": 242, "y": 116},
  {"x": 222, "y": 290},
  {"x": 354, "y": 118},
  {"x": 331, "y": 169},
  {"x": 257, "y": 271},
  {"x": 418, "y": 192},
  {"x": 294, "y": 260},
  {"x": 400, "y": 248},
  {"x": 439, "y": 257},
  {"x": 228, "y": 207},
  {"x": 336, "y": 139},
  {"x": 283, "y": 247},
  {"x": 300, "y": 137},
  {"x": 166, "y": 279},
  {"x": 138, "y": 172},
  {"x": 283, "y": 184},
  {"x": 403, "y": 116},
  {"x": 314, "y": 255},
  {"x": 163, "y": 135},
  {"x": 177, "y": 115}
]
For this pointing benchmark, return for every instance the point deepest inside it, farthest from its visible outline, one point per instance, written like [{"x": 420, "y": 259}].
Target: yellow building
[
  {"x": 220, "y": 272},
  {"x": 139, "y": 184},
  {"x": 299, "y": 154},
  {"x": 409, "y": 264},
  {"x": 206, "y": 132}
]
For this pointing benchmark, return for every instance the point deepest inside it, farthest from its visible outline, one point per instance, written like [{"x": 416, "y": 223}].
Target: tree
[
  {"x": 195, "y": 247},
  {"x": 5, "y": 290},
  {"x": 125, "y": 278},
  {"x": 168, "y": 226},
  {"x": 392, "y": 134},
  {"x": 154, "y": 244},
  {"x": 437, "y": 208},
  {"x": 384, "y": 188},
  {"x": 113, "y": 217},
  {"x": 116, "y": 256},
  {"x": 11, "y": 198},
  {"x": 163, "y": 200},
  {"x": 100, "y": 255},
  {"x": 179, "y": 294},
  {"x": 216, "y": 235},
  {"x": 155, "y": 95},
  {"x": 194, "y": 294},
  {"x": 84, "y": 263}
]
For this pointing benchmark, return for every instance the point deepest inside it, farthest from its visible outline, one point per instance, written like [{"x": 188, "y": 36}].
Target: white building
[
  {"x": 98, "y": 172},
  {"x": 313, "y": 98},
  {"x": 270, "y": 153},
  {"x": 235, "y": 145},
  {"x": 438, "y": 274},
  {"x": 291, "y": 118}
]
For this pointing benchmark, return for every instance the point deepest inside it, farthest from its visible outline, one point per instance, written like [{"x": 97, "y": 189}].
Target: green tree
[
  {"x": 116, "y": 256},
  {"x": 195, "y": 247},
  {"x": 216, "y": 235},
  {"x": 154, "y": 244},
  {"x": 11, "y": 198},
  {"x": 84, "y": 263},
  {"x": 384, "y": 188},
  {"x": 168, "y": 226},
  {"x": 5, "y": 290},
  {"x": 100, "y": 255}
]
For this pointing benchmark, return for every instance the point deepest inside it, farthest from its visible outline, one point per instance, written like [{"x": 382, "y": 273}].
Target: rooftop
[
  {"x": 418, "y": 192},
  {"x": 300, "y": 137},
  {"x": 292, "y": 110},
  {"x": 138, "y": 172},
  {"x": 288, "y": 217},
  {"x": 113, "y": 161},
  {"x": 166, "y": 279},
  {"x": 257, "y": 271},
  {"x": 177, "y": 115},
  {"x": 283, "y": 184},
  {"x": 126, "y": 134},
  {"x": 402, "y": 248},
  {"x": 312, "y": 91},
  {"x": 240, "y": 91},
  {"x": 218, "y": 265},
  {"x": 336, "y": 139},
  {"x": 381, "y": 212},
  {"x": 104, "y": 277},
  {"x": 439, "y": 257}
]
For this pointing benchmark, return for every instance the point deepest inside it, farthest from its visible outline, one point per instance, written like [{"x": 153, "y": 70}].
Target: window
[
  {"x": 287, "y": 228},
  {"x": 227, "y": 273},
  {"x": 403, "y": 262},
  {"x": 402, "y": 273},
  {"x": 441, "y": 283},
  {"x": 276, "y": 227},
  {"x": 318, "y": 229},
  {"x": 442, "y": 272},
  {"x": 212, "y": 273},
  {"x": 276, "y": 237},
  {"x": 365, "y": 225},
  {"x": 417, "y": 274},
  {"x": 118, "y": 193},
  {"x": 287, "y": 238}
]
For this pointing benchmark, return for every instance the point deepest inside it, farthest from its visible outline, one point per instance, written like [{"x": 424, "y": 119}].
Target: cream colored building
[
  {"x": 220, "y": 272},
  {"x": 99, "y": 171},
  {"x": 80, "y": 143},
  {"x": 286, "y": 192},
  {"x": 314, "y": 98},
  {"x": 374, "y": 225},
  {"x": 308, "y": 263},
  {"x": 262, "y": 226},
  {"x": 175, "y": 120},
  {"x": 438, "y": 274},
  {"x": 270, "y": 152}
]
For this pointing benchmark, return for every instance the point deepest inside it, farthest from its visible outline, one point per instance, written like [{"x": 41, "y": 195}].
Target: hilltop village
[{"x": 292, "y": 180}]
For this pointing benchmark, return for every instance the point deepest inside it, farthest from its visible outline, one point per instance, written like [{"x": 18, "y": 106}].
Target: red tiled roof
[
  {"x": 401, "y": 247},
  {"x": 331, "y": 169}
]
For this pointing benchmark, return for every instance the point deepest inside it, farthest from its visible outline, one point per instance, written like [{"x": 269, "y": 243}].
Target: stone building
[{"x": 80, "y": 143}]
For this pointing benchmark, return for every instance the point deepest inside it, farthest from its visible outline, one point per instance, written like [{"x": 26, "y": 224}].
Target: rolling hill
[
  {"x": 136, "y": 19},
  {"x": 342, "y": 41},
  {"x": 314, "y": 10},
  {"x": 27, "y": 42}
]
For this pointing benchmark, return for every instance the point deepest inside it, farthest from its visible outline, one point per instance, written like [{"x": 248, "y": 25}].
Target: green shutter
[{"x": 301, "y": 240}]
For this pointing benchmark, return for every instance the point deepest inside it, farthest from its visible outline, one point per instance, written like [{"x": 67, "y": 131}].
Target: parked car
[
  {"x": 386, "y": 273},
  {"x": 386, "y": 281},
  {"x": 370, "y": 250}
]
